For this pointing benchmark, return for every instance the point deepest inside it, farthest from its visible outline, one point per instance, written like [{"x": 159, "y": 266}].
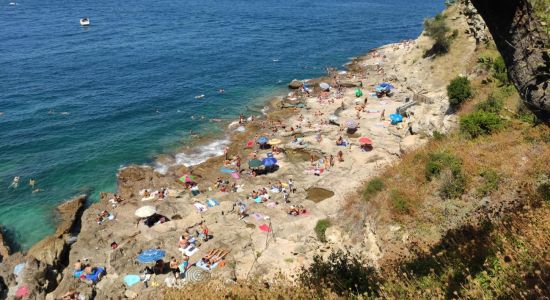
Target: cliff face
[{"x": 45, "y": 261}]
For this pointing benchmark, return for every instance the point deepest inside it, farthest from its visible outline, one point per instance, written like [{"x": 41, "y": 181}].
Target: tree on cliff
[{"x": 525, "y": 47}]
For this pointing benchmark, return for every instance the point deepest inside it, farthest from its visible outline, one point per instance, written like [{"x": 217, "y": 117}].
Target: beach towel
[
  {"x": 148, "y": 198},
  {"x": 275, "y": 190},
  {"x": 250, "y": 144},
  {"x": 189, "y": 251},
  {"x": 18, "y": 269},
  {"x": 344, "y": 144},
  {"x": 235, "y": 175},
  {"x": 130, "y": 280},
  {"x": 264, "y": 228},
  {"x": 96, "y": 275},
  {"x": 212, "y": 202},
  {"x": 373, "y": 111},
  {"x": 272, "y": 205},
  {"x": 204, "y": 266},
  {"x": 200, "y": 207},
  {"x": 150, "y": 255},
  {"x": 226, "y": 170},
  {"x": 257, "y": 216},
  {"x": 258, "y": 199}
]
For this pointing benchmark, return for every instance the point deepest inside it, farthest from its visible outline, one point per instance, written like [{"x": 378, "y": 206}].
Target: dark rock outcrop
[
  {"x": 295, "y": 84},
  {"x": 5, "y": 250}
]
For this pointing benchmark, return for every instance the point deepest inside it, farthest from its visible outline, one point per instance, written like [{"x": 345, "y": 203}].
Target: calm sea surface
[{"x": 78, "y": 103}]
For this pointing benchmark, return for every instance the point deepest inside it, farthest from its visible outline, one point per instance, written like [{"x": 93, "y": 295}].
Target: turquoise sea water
[{"x": 78, "y": 103}]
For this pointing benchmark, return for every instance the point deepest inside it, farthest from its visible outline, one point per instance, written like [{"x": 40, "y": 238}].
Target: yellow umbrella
[{"x": 274, "y": 142}]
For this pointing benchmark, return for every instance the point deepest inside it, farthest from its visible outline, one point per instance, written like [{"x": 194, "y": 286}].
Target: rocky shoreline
[{"x": 47, "y": 272}]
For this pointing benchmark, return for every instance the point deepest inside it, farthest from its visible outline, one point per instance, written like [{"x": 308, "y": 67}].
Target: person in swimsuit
[{"x": 174, "y": 267}]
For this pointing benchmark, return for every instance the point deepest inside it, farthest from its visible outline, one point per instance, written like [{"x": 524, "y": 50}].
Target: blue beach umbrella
[
  {"x": 150, "y": 255},
  {"x": 262, "y": 140},
  {"x": 269, "y": 161}
]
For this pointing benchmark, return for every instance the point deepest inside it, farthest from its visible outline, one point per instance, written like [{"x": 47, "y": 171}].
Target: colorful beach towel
[
  {"x": 200, "y": 207},
  {"x": 264, "y": 228}
]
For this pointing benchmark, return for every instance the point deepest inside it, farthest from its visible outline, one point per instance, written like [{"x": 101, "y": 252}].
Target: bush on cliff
[
  {"x": 321, "y": 228},
  {"x": 437, "y": 29},
  {"x": 343, "y": 273},
  {"x": 374, "y": 186},
  {"x": 458, "y": 90},
  {"x": 480, "y": 123}
]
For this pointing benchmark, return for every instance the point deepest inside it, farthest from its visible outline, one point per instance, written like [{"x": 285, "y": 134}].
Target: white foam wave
[{"x": 201, "y": 154}]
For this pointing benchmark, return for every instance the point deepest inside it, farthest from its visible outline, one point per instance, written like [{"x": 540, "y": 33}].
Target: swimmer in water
[
  {"x": 37, "y": 190},
  {"x": 32, "y": 182},
  {"x": 15, "y": 183},
  {"x": 221, "y": 91},
  {"x": 1, "y": 113}
]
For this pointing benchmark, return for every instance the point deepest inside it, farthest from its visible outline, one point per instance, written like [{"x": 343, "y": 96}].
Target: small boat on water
[
  {"x": 84, "y": 21},
  {"x": 199, "y": 96}
]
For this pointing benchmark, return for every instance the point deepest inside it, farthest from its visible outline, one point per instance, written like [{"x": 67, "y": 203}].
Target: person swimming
[{"x": 15, "y": 183}]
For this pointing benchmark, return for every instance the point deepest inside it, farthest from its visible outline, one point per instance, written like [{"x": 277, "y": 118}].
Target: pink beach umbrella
[
  {"x": 22, "y": 292},
  {"x": 365, "y": 141}
]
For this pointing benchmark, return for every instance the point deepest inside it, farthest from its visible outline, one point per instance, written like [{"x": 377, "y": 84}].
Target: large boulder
[
  {"x": 295, "y": 84},
  {"x": 53, "y": 249},
  {"x": 69, "y": 213}
]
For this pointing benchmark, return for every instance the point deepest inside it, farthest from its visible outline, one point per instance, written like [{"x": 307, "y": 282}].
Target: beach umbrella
[
  {"x": 254, "y": 163},
  {"x": 187, "y": 178},
  {"x": 150, "y": 255},
  {"x": 324, "y": 86},
  {"x": 275, "y": 142},
  {"x": 22, "y": 291},
  {"x": 351, "y": 124},
  {"x": 262, "y": 140},
  {"x": 365, "y": 141},
  {"x": 145, "y": 211},
  {"x": 195, "y": 275},
  {"x": 269, "y": 161}
]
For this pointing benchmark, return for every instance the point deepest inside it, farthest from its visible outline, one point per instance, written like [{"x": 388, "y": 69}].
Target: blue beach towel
[
  {"x": 150, "y": 255},
  {"x": 226, "y": 170},
  {"x": 212, "y": 202},
  {"x": 130, "y": 280}
]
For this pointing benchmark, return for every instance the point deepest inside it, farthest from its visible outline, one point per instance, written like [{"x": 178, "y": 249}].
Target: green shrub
[
  {"x": 343, "y": 273},
  {"x": 458, "y": 90},
  {"x": 492, "y": 104},
  {"x": 374, "y": 186},
  {"x": 437, "y": 162},
  {"x": 438, "y": 136},
  {"x": 544, "y": 191},
  {"x": 480, "y": 123},
  {"x": 399, "y": 201},
  {"x": 321, "y": 228},
  {"x": 453, "y": 185},
  {"x": 500, "y": 72},
  {"x": 437, "y": 29},
  {"x": 491, "y": 180}
]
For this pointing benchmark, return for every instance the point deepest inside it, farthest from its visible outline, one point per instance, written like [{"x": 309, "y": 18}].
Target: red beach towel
[{"x": 265, "y": 228}]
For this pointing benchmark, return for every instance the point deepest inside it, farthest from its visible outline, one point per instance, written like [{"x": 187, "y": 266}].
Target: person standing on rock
[
  {"x": 204, "y": 229},
  {"x": 174, "y": 267}
]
